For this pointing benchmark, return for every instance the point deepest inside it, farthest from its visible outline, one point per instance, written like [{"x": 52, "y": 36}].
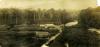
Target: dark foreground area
[{"x": 25, "y": 35}]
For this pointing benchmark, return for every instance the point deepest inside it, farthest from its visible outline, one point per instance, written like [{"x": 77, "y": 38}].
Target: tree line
[{"x": 28, "y": 16}]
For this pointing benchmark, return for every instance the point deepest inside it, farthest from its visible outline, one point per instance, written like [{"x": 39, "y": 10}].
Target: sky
[
  {"x": 47, "y": 4},
  {"x": 98, "y": 2}
]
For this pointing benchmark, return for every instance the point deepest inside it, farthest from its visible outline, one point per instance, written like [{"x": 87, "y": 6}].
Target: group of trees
[
  {"x": 90, "y": 18},
  {"x": 79, "y": 35},
  {"x": 29, "y": 16}
]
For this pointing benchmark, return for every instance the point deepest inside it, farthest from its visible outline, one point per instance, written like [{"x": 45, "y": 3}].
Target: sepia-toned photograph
[{"x": 49, "y": 23}]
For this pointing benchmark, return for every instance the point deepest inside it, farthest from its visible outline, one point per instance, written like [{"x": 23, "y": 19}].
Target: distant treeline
[{"x": 28, "y": 16}]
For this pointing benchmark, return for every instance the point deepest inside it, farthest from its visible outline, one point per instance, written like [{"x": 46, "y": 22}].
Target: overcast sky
[{"x": 46, "y": 4}]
